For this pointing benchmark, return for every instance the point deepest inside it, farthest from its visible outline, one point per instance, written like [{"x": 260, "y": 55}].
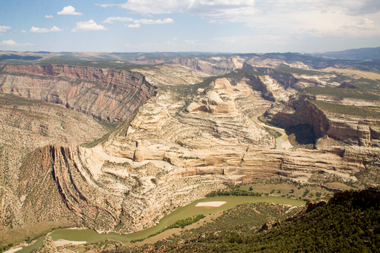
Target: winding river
[
  {"x": 190, "y": 210},
  {"x": 88, "y": 235}
]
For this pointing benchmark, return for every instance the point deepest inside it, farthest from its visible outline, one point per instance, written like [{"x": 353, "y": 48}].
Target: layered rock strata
[
  {"x": 351, "y": 130},
  {"x": 169, "y": 154},
  {"x": 26, "y": 125},
  {"x": 102, "y": 93},
  {"x": 190, "y": 139},
  {"x": 212, "y": 65}
]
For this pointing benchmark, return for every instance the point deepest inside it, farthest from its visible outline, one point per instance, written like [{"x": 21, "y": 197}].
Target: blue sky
[{"x": 235, "y": 26}]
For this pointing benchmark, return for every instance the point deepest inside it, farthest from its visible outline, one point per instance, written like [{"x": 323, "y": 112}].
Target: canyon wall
[
  {"x": 351, "y": 130},
  {"x": 105, "y": 94},
  {"x": 188, "y": 140}
]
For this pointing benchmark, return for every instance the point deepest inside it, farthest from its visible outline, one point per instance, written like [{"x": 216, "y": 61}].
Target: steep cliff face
[
  {"x": 306, "y": 113},
  {"x": 355, "y": 130},
  {"x": 105, "y": 94},
  {"x": 348, "y": 129},
  {"x": 257, "y": 84}
]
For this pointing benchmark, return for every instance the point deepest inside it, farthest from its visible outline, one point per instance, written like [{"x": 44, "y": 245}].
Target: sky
[{"x": 231, "y": 26}]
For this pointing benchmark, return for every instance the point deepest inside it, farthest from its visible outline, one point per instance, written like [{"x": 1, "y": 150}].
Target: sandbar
[
  {"x": 212, "y": 203},
  {"x": 13, "y": 250},
  {"x": 62, "y": 242}
]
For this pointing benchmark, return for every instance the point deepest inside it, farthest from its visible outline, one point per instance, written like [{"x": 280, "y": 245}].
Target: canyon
[
  {"x": 104, "y": 94},
  {"x": 182, "y": 132}
]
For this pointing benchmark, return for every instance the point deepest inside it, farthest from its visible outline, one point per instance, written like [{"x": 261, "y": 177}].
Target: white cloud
[
  {"x": 365, "y": 24},
  {"x": 312, "y": 17},
  {"x": 4, "y": 28},
  {"x": 14, "y": 43},
  {"x": 69, "y": 10},
  {"x": 154, "y": 22},
  {"x": 190, "y": 41},
  {"x": 55, "y": 29},
  {"x": 23, "y": 31},
  {"x": 49, "y": 16},
  {"x": 191, "y": 6},
  {"x": 111, "y": 20},
  {"x": 45, "y": 30},
  {"x": 134, "y": 25},
  {"x": 107, "y": 5},
  {"x": 9, "y": 42},
  {"x": 88, "y": 26},
  {"x": 138, "y": 22}
]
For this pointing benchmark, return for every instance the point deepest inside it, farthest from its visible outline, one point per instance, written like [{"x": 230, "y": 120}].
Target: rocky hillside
[
  {"x": 183, "y": 134},
  {"x": 347, "y": 129},
  {"x": 349, "y": 222},
  {"x": 212, "y": 65},
  {"x": 36, "y": 112},
  {"x": 27, "y": 125},
  {"x": 181, "y": 144},
  {"x": 105, "y": 94}
]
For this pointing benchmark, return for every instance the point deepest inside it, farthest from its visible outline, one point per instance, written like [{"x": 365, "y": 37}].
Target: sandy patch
[
  {"x": 13, "y": 250},
  {"x": 286, "y": 145},
  {"x": 212, "y": 203},
  {"x": 62, "y": 242}
]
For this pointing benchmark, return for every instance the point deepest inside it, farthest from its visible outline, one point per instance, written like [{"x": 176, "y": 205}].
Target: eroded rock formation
[
  {"x": 103, "y": 93},
  {"x": 351, "y": 130},
  {"x": 167, "y": 155},
  {"x": 190, "y": 139},
  {"x": 212, "y": 65}
]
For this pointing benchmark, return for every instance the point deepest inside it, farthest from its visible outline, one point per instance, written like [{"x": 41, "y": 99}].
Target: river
[{"x": 190, "y": 210}]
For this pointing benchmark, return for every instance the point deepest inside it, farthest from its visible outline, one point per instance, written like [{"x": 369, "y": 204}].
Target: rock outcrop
[
  {"x": 105, "y": 94},
  {"x": 351, "y": 130},
  {"x": 212, "y": 65},
  {"x": 166, "y": 155},
  {"x": 192, "y": 138},
  {"x": 110, "y": 191},
  {"x": 25, "y": 126}
]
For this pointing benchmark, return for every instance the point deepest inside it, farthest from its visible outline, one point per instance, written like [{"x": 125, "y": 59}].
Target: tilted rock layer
[
  {"x": 187, "y": 140},
  {"x": 173, "y": 151},
  {"x": 103, "y": 93},
  {"x": 25, "y": 126}
]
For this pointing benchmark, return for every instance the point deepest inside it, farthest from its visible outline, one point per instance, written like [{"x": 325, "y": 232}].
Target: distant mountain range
[{"x": 355, "y": 54}]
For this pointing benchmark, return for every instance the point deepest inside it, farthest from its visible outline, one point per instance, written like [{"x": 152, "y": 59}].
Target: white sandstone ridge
[{"x": 212, "y": 103}]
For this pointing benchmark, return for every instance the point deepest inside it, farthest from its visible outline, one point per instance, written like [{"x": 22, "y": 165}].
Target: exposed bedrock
[
  {"x": 348, "y": 129},
  {"x": 114, "y": 193},
  {"x": 287, "y": 80},
  {"x": 103, "y": 93},
  {"x": 213, "y": 65},
  {"x": 168, "y": 153}
]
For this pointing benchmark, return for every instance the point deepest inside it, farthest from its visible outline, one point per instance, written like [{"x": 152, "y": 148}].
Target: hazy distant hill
[{"x": 355, "y": 54}]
